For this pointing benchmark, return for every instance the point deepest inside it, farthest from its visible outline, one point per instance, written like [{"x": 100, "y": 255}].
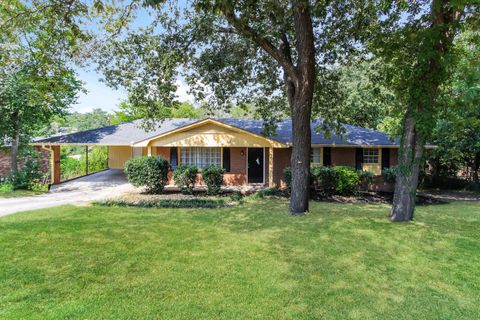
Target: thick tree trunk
[
  {"x": 301, "y": 108},
  {"x": 300, "y": 160},
  {"x": 410, "y": 156}
]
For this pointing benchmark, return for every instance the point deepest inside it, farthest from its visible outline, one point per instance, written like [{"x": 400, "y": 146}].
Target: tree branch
[{"x": 243, "y": 28}]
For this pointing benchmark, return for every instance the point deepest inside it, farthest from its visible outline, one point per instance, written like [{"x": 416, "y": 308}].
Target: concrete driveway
[{"x": 101, "y": 185}]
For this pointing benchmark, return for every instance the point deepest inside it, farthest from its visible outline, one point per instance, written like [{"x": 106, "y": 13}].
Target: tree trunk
[
  {"x": 410, "y": 155},
  {"x": 301, "y": 108}
]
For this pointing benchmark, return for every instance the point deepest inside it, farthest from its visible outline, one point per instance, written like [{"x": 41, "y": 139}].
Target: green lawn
[
  {"x": 19, "y": 193},
  {"x": 253, "y": 261}
]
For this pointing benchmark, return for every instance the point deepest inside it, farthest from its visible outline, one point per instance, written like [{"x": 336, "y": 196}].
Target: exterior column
[
  {"x": 149, "y": 151},
  {"x": 55, "y": 164},
  {"x": 270, "y": 166}
]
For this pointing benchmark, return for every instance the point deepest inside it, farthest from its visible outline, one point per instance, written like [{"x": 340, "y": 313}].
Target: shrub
[
  {"x": 6, "y": 187},
  {"x": 389, "y": 174},
  {"x": 149, "y": 172},
  {"x": 324, "y": 180},
  {"x": 347, "y": 180},
  {"x": 269, "y": 192},
  {"x": 165, "y": 203},
  {"x": 287, "y": 176},
  {"x": 29, "y": 174},
  {"x": 365, "y": 178},
  {"x": 213, "y": 177},
  {"x": 185, "y": 177}
]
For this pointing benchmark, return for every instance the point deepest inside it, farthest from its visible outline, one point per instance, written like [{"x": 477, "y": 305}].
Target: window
[
  {"x": 315, "y": 155},
  {"x": 201, "y": 157},
  {"x": 370, "y": 156}
]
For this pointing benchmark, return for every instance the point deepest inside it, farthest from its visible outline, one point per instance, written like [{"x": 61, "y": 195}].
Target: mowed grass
[
  {"x": 254, "y": 261},
  {"x": 19, "y": 193}
]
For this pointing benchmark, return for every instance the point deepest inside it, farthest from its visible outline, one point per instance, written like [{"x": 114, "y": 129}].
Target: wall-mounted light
[{"x": 242, "y": 153}]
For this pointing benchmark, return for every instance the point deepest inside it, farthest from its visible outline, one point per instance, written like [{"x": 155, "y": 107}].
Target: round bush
[
  {"x": 347, "y": 180},
  {"x": 149, "y": 172},
  {"x": 390, "y": 174},
  {"x": 185, "y": 177},
  {"x": 324, "y": 180},
  {"x": 213, "y": 177}
]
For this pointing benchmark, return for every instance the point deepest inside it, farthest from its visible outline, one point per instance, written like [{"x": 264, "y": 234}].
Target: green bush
[
  {"x": 389, "y": 174},
  {"x": 6, "y": 187},
  {"x": 366, "y": 178},
  {"x": 213, "y": 177},
  {"x": 185, "y": 177},
  {"x": 269, "y": 192},
  {"x": 29, "y": 174},
  {"x": 347, "y": 180},
  {"x": 287, "y": 176},
  {"x": 149, "y": 172},
  {"x": 324, "y": 180}
]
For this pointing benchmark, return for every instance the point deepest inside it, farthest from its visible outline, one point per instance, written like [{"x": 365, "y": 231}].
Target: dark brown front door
[{"x": 255, "y": 165}]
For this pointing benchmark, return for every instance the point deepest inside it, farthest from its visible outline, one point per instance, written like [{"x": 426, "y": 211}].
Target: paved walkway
[{"x": 101, "y": 185}]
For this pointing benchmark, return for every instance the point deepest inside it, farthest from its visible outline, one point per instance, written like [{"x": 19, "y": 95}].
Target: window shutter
[
  {"x": 327, "y": 156},
  {"x": 385, "y": 158},
  {"x": 226, "y": 159},
  {"x": 358, "y": 158},
  {"x": 174, "y": 157}
]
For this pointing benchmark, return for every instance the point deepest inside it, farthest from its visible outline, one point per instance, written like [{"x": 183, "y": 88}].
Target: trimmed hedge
[
  {"x": 165, "y": 203},
  {"x": 185, "y": 177},
  {"x": 324, "y": 180},
  {"x": 347, "y": 180},
  {"x": 149, "y": 172},
  {"x": 213, "y": 177}
]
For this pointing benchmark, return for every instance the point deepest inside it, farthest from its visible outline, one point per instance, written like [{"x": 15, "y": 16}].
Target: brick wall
[
  {"x": 281, "y": 160},
  {"x": 5, "y": 161}
]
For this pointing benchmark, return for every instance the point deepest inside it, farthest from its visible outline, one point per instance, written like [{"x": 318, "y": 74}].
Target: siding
[{"x": 118, "y": 155}]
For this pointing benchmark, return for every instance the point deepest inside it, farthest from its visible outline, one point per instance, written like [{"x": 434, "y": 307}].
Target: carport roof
[{"x": 130, "y": 133}]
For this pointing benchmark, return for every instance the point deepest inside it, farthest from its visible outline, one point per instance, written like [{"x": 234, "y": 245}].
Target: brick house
[
  {"x": 237, "y": 145},
  {"x": 5, "y": 160}
]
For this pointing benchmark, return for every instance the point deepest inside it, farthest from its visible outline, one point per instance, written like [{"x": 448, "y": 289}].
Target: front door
[{"x": 255, "y": 165}]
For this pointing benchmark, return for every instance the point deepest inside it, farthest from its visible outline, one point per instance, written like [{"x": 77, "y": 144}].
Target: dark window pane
[{"x": 226, "y": 159}]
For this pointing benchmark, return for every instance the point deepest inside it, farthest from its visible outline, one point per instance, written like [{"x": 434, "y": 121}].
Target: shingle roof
[{"x": 131, "y": 132}]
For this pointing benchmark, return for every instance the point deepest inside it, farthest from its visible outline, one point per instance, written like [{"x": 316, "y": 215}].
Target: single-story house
[{"x": 238, "y": 145}]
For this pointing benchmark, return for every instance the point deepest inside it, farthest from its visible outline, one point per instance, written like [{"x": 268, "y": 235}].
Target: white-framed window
[
  {"x": 316, "y": 155},
  {"x": 370, "y": 155},
  {"x": 201, "y": 156}
]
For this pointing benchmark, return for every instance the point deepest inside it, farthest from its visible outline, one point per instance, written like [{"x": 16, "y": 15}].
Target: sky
[{"x": 99, "y": 95}]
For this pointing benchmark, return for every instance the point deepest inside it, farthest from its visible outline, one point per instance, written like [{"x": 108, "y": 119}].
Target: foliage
[
  {"x": 447, "y": 183},
  {"x": 6, "y": 186},
  {"x": 165, "y": 203},
  {"x": 347, "y": 180},
  {"x": 73, "y": 161},
  {"x": 269, "y": 193},
  {"x": 287, "y": 176},
  {"x": 29, "y": 174},
  {"x": 149, "y": 172},
  {"x": 185, "y": 177},
  {"x": 365, "y": 178},
  {"x": 324, "y": 180},
  {"x": 213, "y": 177},
  {"x": 390, "y": 174}
]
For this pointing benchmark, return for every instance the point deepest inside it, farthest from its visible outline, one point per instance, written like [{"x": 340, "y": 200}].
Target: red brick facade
[{"x": 5, "y": 161}]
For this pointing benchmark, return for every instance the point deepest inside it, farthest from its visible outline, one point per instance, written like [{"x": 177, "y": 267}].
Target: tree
[
  {"x": 236, "y": 52},
  {"x": 416, "y": 43},
  {"x": 36, "y": 81}
]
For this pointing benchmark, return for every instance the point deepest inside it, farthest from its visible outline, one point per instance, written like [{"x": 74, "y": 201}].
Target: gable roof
[{"x": 130, "y": 133}]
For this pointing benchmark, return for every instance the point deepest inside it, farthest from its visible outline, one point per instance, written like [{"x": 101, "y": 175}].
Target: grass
[
  {"x": 19, "y": 193},
  {"x": 253, "y": 261}
]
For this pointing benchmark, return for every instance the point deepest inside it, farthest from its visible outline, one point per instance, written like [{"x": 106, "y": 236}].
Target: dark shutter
[
  {"x": 385, "y": 158},
  {"x": 327, "y": 156},
  {"x": 226, "y": 159},
  {"x": 174, "y": 157},
  {"x": 358, "y": 158}
]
